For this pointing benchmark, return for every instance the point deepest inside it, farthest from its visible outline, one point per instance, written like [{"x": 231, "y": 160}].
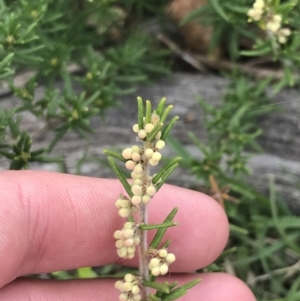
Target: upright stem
[{"x": 143, "y": 247}]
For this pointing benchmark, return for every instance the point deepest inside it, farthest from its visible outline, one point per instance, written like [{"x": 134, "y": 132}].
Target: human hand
[{"x": 51, "y": 221}]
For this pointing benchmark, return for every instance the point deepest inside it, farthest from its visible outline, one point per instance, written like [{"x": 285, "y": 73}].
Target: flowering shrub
[{"x": 154, "y": 259}]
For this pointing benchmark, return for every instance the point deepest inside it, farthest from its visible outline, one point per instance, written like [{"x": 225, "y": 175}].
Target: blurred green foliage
[{"x": 47, "y": 38}]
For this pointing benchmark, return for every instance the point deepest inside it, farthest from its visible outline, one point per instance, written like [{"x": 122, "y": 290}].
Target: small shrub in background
[{"x": 52, "y": 38}]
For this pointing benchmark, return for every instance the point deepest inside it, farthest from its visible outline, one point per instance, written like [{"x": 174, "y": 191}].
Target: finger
[
  {"x": 51, "y": 221},
  {"x": 213, "y": 287}
]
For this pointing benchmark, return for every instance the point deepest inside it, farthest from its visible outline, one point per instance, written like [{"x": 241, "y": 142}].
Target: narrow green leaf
[
  {"x": 216, "y": 5},
  {"x": 6, "y": 60},
  {"x": 120, "y": 175},
  {"x": 154, "y": 298},
  {"x": 27, "y": 144},
  {"x": 22, "y": 140},
  {"x": 161, "y": 232},
  {"x": 166, "y": 113},
  {"x": 7, "y": 154},
  {"x": 165, "y": 168},
  {"x": 154, "y": 132},
  {"x": 282, "y": 232},
  {"x": 158, "y": 286},
  {"x": 148, "y": 112},
  {"x": 174, "y": 296},
  {"x": 140, "y": 112},
  {"x": 7, "y": 74},
  {"x": 168, "y": 128},
  {"x": 166, "y": 244},
  {"x": 173, "y": 284},
  {"x": 236, "y": 229},
  {"x": 181, "y": 290},
  {"x": 158, "y": 226},
  {"x": 236, "y": 118},
  {"x": 114, "y": 154},
  {"x": 165, "y": 176},
  {"x": 160, "y": 106}
]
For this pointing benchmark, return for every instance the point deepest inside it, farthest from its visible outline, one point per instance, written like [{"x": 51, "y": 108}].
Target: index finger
[{"x": 51, "y": 221}]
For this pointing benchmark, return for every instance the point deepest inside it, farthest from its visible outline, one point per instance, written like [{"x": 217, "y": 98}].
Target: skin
[{"x": 51, "y": 221}]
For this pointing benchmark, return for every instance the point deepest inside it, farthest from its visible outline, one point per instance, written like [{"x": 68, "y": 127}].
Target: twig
[
  {"x": 190, "y": 59},
  {"x": 196, "y": 59}
]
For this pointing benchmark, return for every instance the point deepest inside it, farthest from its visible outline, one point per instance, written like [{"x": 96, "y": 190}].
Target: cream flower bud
[
  {"x": 119, "y": 244},
  {"x": 127, "y": 153},
  {"x": 130, "y": 164},
  {"x": 285, "y": 31},
  {"x": 135, "y": 176},
  {"x": 163, "y": 269},
  {"x": 128, "y": 242},
  {"x": 135, "y": 148},
  {"x": 136, "y": 189},
  {"x": 277, "y": 18},
  {"x": 151, "y": 190},
  {"x": 155, "y": 271},
  {"x": 259, "y": 4},
  {"x": 136, "y": 240},
  {"x": 123, "y": 297},
  {"x": 128, "y": 233},
  {"x": 135, "y": 290},
  {"x": 149, "y": 127},
  {"x": 135, "y": 128},
  {"x": 117, "y": 234},
  {"x": 131, "y": 250},
  {"x": 124, "y": 212},
  {"x": 124, "y": 203},
  {"x": 160, "y": 144},
  {"x": 155, "y": 119},
  {"x": 146, "y": 199},
  {"x": 282, "y": 39},
  {"x": 122, "y": 252},
  {"x": 158, "y": 135},
  {"x": 136, "y": 157},
  {"x": 137, "y": 182},
  {"x": 129, "y": 278},
  {"x": 118, "y": 203},
  {"x": 138, "y": 169},
  {"x": 148, "y": 152},
  {"x": 154, "y": 262},
  {"x": 127, "y": 286},
  {"x": 170, "y": 258},
  {"x": 136, "y": 200},
  {"x": 273, "y": 26},
  {"x": 153, "y": 162},
  {"x": 142, "y": 134},
  {"x": 163, "y": 253},
  {"x": 137, "y": 297},
  {"x": 128, "y": 225},
  {"x": 156, "y": 156},
  {"x": 118, "y": 285},
  {"x": 251, "y": 13}
]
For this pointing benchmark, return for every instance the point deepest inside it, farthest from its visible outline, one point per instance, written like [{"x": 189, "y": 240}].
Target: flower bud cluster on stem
[
  {"x": 153, "y": 261},
  {"x": 263, "y": 13}
]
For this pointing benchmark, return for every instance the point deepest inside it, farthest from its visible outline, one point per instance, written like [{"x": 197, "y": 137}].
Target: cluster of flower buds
[
  {"x": 129, "y": 288},
  {"x": 142, "y": 193},
  {"x": 257, "y": 10},
  {"x": 270, "y": 21},
  {"x": 127, "y": 240},
  {"x": 282, "y": 35},
  {"x": 124, "y": 206},
  {"x": 159, "y": 264}
]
